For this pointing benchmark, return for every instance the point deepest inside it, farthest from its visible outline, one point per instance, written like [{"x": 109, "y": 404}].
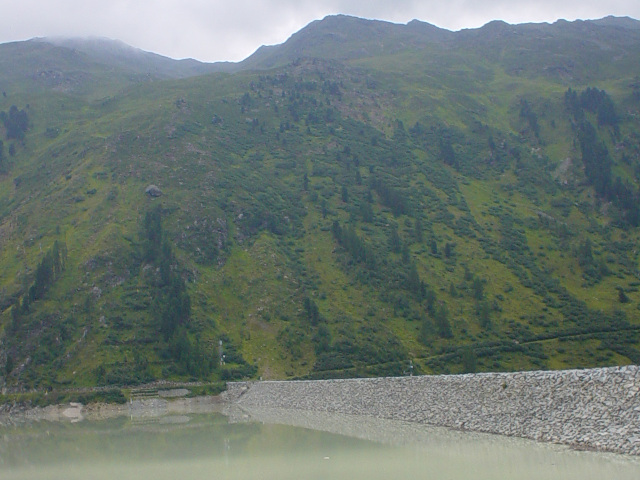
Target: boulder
[{"x": 153, "y": 191}]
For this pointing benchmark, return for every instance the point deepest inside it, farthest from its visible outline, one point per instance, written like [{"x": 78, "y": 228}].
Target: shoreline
[
  {"x": 141, "y": 408},
  {"x": 594, "y": 409}
]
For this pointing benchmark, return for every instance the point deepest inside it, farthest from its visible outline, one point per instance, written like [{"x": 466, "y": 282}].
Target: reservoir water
[{"x": 281, "y": 445}]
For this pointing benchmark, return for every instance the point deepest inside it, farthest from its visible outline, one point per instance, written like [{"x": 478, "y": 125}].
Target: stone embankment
[{"x": 592, "y": 409}]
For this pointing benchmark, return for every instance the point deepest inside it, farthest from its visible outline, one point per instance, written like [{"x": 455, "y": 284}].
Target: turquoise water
[{"x": 211, "y": 446}]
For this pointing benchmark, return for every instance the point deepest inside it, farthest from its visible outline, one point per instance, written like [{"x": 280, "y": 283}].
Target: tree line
[
  {"x": 47, "y": 272},
  {"x": 16, "y": 123},
  {"x": 595, "y": 154},
  {"x": 171, "y": 308}
]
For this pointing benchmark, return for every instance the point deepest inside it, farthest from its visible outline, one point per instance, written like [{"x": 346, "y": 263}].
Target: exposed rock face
[
  {"x": 153, "y": 191},
  {"x": 596, "y": 408}
]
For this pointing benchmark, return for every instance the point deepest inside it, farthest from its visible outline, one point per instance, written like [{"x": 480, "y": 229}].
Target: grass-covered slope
[{"x": 441, "y": 207}]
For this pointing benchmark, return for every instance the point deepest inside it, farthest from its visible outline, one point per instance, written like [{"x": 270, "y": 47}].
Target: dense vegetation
[{"x": 449, "y": 203}]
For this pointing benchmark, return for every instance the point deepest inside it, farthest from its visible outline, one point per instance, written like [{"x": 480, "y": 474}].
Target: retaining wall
[{"x": 595, "y": 408}]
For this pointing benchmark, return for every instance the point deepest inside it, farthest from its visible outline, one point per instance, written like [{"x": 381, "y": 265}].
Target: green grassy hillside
[{"x": 465, "y": 203}]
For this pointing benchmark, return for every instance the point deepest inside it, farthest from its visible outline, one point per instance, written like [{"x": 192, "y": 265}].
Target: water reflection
[{"x": 273, "y": 444}]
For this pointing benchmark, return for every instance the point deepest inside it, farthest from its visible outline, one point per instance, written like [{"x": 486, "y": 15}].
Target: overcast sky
[{"x": 213, "y": 30}]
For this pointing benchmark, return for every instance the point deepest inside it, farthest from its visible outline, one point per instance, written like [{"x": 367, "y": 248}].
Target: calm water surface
[{"x": 251, "y": 446}]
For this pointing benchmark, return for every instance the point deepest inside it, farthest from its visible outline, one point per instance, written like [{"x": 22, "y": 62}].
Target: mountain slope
[{"x": 438, "y": 205}]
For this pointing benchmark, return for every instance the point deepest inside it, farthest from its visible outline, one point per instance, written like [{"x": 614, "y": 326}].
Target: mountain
[
  {"x": 89, "y": 66},
  {"x": 343, "y": 37},
  {"x": 118, "y": 54},
  {"x": 351, "y": 39},
  {"x": 365, "y": 199}
]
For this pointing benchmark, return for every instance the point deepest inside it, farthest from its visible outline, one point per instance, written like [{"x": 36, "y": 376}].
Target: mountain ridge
[
  {"x": 424, "y": 35},
  {"x": 118, "y": 53},
  {"x": 415, "y": 34}
]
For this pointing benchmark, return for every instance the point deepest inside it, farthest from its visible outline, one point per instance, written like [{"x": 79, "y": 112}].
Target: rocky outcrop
[{"x": 594, "y": 409}]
